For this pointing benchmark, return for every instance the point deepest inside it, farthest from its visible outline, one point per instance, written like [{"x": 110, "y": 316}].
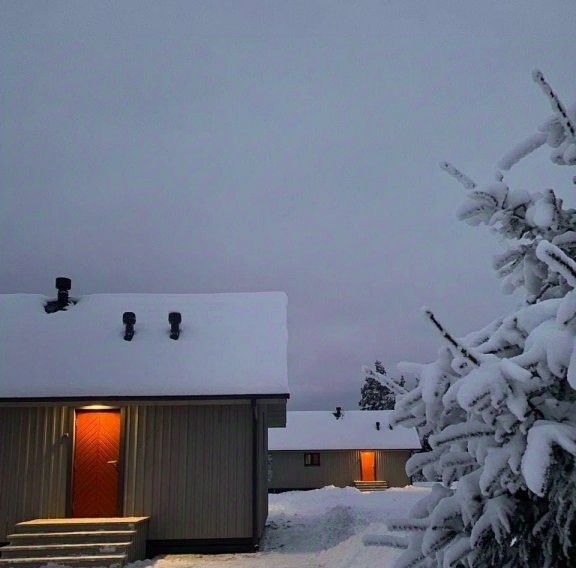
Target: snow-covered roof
[
  {"x": 355, "y": 430},
  {"x": 230, "y": 344}
]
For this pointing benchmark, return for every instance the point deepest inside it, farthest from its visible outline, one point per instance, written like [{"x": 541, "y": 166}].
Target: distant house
[
  {"x": 340, "y": 448},
  {"x": 137, "y": 413}
]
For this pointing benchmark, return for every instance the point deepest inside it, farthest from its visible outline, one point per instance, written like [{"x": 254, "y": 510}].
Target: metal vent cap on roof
[{"x": 62, "y": 301}]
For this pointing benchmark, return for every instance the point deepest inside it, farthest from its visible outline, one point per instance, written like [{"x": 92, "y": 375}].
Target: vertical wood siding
[
  {"x": 190, "y": 469},
  {"x": 34, "y": 460},
  {"x": 337, "y": 467},
  {"x": 262, "y": 468},
  {"x": 391, "y": 467},
  {"x": 187, "y": 467}
]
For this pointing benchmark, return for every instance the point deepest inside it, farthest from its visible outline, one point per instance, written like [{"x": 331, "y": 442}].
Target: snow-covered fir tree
[
  {"x": 374, "y": 394},
  {"x": 499, "y": 405}
]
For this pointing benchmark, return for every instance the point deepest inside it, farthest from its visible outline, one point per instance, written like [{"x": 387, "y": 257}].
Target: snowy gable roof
[
  {"x": 230, "y": 344},
  {"x": 355, "y": 430}
]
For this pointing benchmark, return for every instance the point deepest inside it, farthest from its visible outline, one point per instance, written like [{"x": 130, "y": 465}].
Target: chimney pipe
[
  {"x": 377, "y": 425},
  {"x": 63, "y": 285},
  {"x": 175, "y": 319},
  {"x": 129, "y": 320},
  {"x": 338, "y": 413}
]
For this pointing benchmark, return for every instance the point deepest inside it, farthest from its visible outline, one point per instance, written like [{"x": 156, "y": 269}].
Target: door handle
[{"x": 113, "y": 462}]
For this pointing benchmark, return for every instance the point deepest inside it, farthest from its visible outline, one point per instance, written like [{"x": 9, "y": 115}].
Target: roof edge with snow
[{"x": 355, "y": 430}]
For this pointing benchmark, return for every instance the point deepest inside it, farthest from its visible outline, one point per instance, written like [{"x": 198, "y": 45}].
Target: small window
[{"x": 311, "y": 459}]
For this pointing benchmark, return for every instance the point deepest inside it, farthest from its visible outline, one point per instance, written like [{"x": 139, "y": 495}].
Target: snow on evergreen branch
[
  {"x": 495, "y": 520},
  {"x": 449, "y": 338},
  {"x": 522, "y": 150},
  {"x": 457, "y": 552},
  {"x": 462, "y": 178},
  {"x": 555, "y": 102},
  {"x": 537, "y": 459},
  {"x": 557, "y": 261},
  {"x": 411, "y": 559},
  {"x": 459, "y": 432},
  {"x": 407, "y": 525},
  {"x": 389, "y": 540}
]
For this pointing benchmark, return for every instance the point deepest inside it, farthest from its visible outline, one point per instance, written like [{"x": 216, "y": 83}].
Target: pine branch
[
  {"x": 458, "y": 175},
  {"x": 555, "y": 102},
  {"x": 446, "y": 335},
  {"x": 543, "y": 291},
  {"x": 557, "y": 261}
]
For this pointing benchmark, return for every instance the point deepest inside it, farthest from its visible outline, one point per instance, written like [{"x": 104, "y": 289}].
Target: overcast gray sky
[{"x": 246, "y": 146}]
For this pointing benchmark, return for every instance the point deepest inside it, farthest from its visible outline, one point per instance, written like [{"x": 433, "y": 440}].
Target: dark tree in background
[{"x": 375, "y": 395}]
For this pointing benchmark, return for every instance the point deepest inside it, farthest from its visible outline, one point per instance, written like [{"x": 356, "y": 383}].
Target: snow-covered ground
[{"x": 314, "y": 529}]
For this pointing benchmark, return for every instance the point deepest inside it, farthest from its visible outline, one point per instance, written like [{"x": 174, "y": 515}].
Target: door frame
[
  {"x": 373, "y": 452},
  {"x": 72, "y": 451}
]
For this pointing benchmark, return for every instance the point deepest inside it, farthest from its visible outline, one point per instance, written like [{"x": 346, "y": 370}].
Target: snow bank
[{"x": 313, "y": 529}]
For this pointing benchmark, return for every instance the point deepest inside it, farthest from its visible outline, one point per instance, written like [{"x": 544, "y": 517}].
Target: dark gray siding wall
[
  {"x": 391, "y": 467},
  {"x": 337, "y": 467},
  {"x": 33, "y": 464},
  {"x": 262, "y": 468},
  {"x": 190, "y": 469}
]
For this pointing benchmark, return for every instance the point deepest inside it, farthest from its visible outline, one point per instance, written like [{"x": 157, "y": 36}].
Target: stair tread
[
  {"x": 65, "y": 546},
  {"x": 370, "y": 486},
  {"x": 83, "y": 520},
  {"x": 70, "y": 533},
  {"x": 54, "y": 559}
]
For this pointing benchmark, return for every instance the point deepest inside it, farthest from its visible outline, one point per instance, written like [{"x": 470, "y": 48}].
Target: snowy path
[{"x": 315, "y": 529}]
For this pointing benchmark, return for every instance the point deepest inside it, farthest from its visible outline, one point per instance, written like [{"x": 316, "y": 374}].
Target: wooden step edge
[
  {"x": 21, "y": 547},
  {"x": 64, "y": 559},
  {"x": 126, "y": 533},
  {"x": 83, "y": 521}
]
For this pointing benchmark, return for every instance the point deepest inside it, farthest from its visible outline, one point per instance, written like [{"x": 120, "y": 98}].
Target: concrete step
[
  {"x": 62, "y": 550},
  {"x": 109, "y": 561},
  {"x": 72, "y": 537}
]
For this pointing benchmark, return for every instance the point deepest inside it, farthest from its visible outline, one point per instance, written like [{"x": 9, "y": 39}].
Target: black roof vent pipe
[
  {"x": 338, "y": 414},
  {"x": 129, "y": 320},
  {"x": 63, "y": 300},
  {"x": 377, "y": 425},
  {"x": 63, "y": 285},
  {"x": 175, "y": 319}
]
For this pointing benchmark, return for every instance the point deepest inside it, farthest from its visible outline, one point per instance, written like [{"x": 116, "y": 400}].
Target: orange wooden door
[
  {"x": 368, "y": 466},
  {"x": 96, "y": 464}
]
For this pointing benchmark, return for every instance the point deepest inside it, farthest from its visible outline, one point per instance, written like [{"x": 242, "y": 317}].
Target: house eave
[
  {"x": 347, "y": 449},
  {"x": 147, "y": 399}
]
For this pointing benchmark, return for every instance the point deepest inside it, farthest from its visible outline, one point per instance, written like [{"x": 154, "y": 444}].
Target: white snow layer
[
  {"x": 327, "y": 527},
  {"x": 229, "y": 344},
  {"x": 355, "y": 430}
]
